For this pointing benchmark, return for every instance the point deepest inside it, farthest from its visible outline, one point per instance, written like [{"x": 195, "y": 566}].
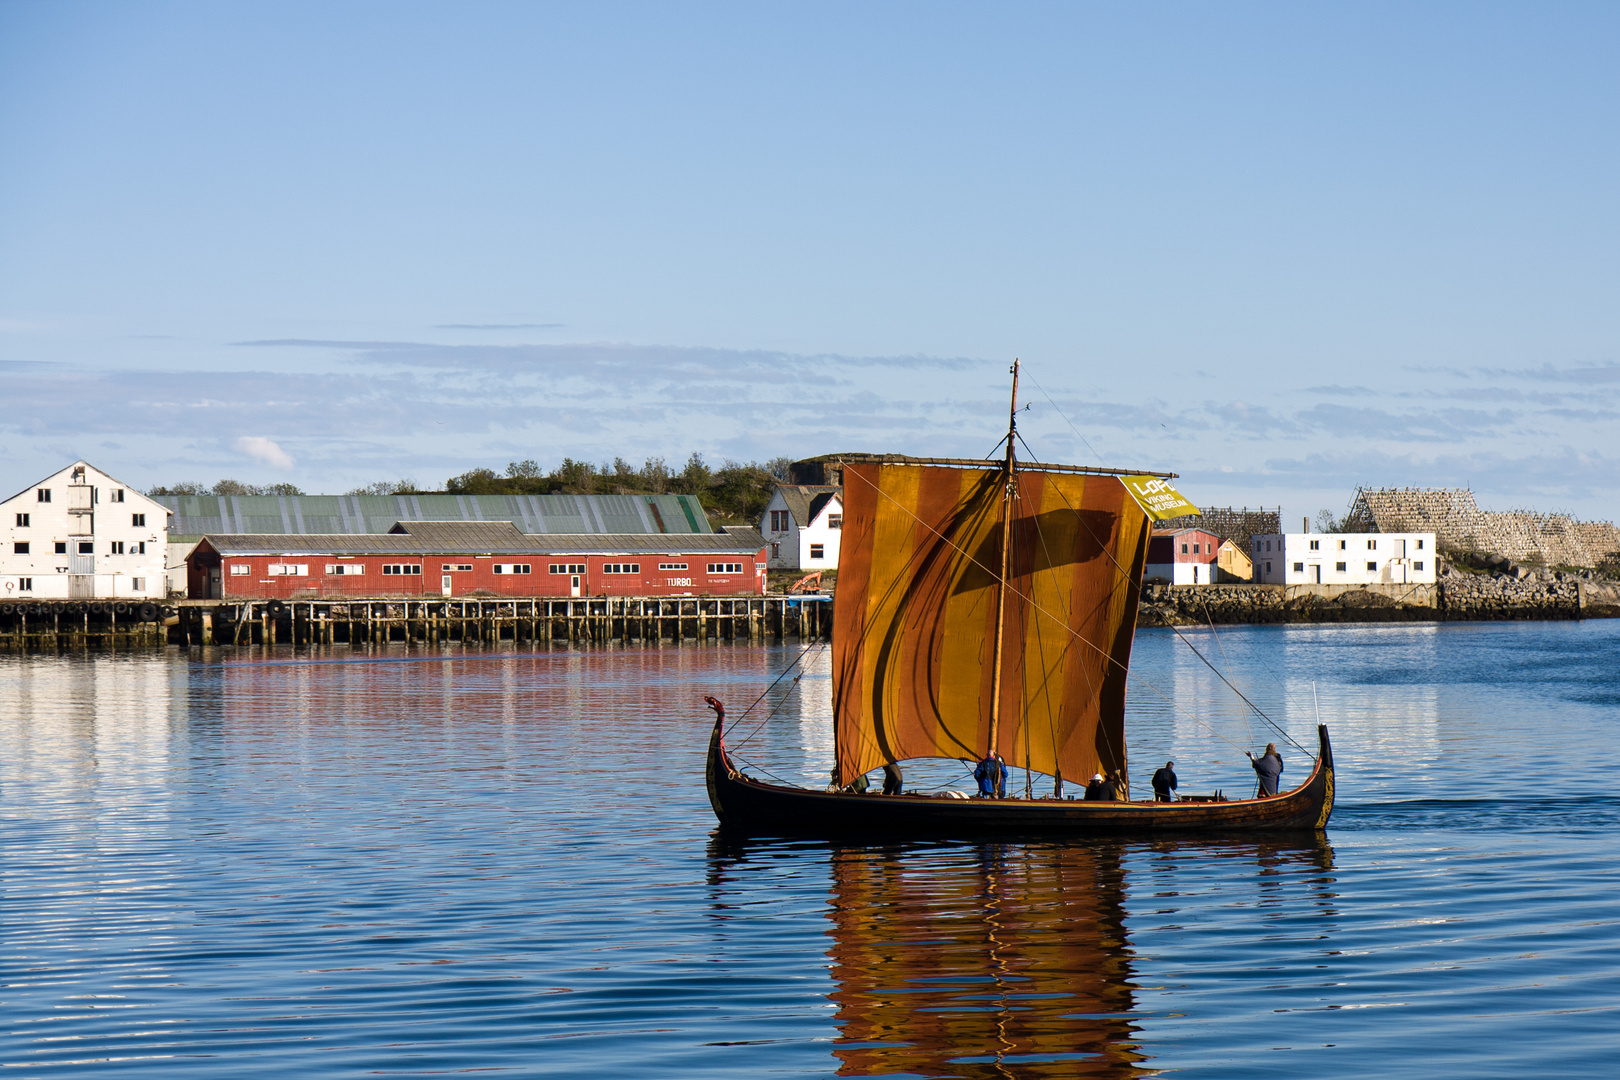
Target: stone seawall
[{"x": 1457, "y": 597}]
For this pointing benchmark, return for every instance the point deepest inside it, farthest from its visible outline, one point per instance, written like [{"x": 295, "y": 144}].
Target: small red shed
[{"x": 1182, "y": 556}]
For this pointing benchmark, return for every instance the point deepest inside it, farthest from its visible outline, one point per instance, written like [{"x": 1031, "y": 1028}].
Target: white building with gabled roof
[
  {"x": 81, "y": 534},
  {"x": 802, "y": 527}
]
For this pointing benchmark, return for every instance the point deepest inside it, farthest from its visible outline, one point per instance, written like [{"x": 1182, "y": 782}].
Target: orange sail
[{"x": 915, "y": 615}]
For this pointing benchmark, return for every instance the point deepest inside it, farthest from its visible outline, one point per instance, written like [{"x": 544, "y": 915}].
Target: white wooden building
[
  {"x": 81, "y": 534},
  {"x": 1344, "y": 558},
  {"x": 802, "y": 527}
]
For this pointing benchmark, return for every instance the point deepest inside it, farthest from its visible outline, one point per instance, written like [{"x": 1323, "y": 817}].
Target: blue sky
[{"x": 1281, "y": 249}]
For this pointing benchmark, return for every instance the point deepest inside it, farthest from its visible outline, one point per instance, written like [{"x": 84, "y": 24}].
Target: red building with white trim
[
  {"x": 484, "y": 558},
  {"x": 1182, "y": 556}
]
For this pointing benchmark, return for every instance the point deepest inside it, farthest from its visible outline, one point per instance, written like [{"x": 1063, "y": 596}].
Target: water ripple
[{"x": 413, "y": 862}]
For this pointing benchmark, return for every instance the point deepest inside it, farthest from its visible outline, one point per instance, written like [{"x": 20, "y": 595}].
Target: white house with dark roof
[
  {"x": 81, "y": 534},
  {"x": 802, "y": 527}
]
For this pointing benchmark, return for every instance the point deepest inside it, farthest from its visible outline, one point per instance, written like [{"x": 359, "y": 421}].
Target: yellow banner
[{"x": 1157, "y": 498}]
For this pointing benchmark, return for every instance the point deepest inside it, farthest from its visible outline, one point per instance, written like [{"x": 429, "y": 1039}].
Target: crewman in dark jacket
[
  {"x": 1102, "y": 790},
  {"x": 1164, "y": 782},
  {"x": 892, "y": 780},
  {"x": 991, "y": 774},
  {"x": 1268, "y": 767}
]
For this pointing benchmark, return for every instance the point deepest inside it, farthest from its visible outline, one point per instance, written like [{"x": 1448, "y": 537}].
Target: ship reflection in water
[{"x": 998, "y": 960}]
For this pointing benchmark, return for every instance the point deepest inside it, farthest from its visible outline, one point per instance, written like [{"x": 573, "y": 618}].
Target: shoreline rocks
[{"x": 1456, "y": 597}]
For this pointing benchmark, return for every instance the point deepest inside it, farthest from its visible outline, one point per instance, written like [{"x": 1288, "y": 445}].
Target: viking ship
[{"x": 985, "y": 611}]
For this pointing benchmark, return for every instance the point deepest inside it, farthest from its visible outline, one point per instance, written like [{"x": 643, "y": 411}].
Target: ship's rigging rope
[
  {"x": 1177, "y": 630},
  {"x": 797, "y": 661},
  {"x": 1038, "y": 608},
  {"x": 1147, "y": 684}
]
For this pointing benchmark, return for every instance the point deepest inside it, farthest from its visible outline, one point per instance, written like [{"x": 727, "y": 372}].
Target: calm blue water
[{"x": 412, "y": 863}]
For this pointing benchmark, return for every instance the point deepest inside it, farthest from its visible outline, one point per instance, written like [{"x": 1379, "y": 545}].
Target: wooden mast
[{"x": 1006, "y": 551}]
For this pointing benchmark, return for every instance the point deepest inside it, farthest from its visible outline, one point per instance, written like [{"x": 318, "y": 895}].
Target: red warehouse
[{"x": 475, "y": 558}]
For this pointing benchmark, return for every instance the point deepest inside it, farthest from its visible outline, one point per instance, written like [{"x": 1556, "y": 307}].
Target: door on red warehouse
[
  {"x": 444, "y": 584},
  {"x": 573, "y": 585}
]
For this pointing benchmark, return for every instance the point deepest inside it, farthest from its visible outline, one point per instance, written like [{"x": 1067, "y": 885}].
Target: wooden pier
[
  {"x": 69, "y": 624},
  {"x": 542, "y": 621}
]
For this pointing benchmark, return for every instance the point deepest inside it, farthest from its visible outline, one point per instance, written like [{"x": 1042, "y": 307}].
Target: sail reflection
[{"x": 999, "y": 960}]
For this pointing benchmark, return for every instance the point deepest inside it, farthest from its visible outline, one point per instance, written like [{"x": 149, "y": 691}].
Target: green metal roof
[{"x": 199, "y": 515}]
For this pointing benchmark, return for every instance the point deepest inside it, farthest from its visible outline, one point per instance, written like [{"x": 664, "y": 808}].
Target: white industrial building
[
  {"x": 1344, "y": 558},
  {"x": 81, "y": 534},
  {"x": 802, "y": 527}
]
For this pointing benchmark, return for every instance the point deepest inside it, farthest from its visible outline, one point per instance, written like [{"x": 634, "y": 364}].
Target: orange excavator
[{"x": 810, "y": 583}]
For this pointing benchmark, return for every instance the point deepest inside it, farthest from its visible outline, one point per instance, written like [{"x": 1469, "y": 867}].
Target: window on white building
[
  {"x": 25, "y": 584},
  {"x": 116, "y": 547},
  {"x": 137, "y": 583},
  {"x": 1420, "y": 548},
  {"x": 22, "y": 521},
  {"x": 1342, "y": 544},
  {"x": 1299, "y": 568},
  {"x": 240, "y": 569},
  {"x": 43, "y": 494},
  {"x": 835, "y": 521},
  {"x": 1371, "y": 565},
  {"x": 1372, "y": 545},
  {"x": 779, "y": 521},
  {"x": 87, "y": 547},
  {"x": 20, "y": 547},
  {"x": 1417, "y": 565},
  {"x": 818, "y": 551},
  {"x": 139, "y": 548},
  {"x": 117, "y": 496},
  {"x": 61, "y": 547},
  {"x": 1316, "y": 545},
  {"x": 138, "y": 520}
]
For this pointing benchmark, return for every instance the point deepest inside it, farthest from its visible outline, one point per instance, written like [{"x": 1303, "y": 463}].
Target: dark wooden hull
[{"x": 750, "y": 807}]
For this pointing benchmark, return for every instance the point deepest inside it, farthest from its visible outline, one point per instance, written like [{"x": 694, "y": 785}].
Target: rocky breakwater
[
  {"x": 1199, "y": 605},
  {"x": 1523, "y": 595},
  {"x": 1459, "y": 596}
]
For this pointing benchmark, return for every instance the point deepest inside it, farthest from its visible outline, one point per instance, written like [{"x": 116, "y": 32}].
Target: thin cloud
[
  {"x": 499, "y": 326},
  {"x": 265, "y": 451}
]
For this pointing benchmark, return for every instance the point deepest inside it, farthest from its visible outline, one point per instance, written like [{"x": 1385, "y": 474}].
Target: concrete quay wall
[{"x": 1457, "y": 597}]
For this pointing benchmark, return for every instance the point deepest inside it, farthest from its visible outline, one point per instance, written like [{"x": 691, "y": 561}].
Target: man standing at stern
[
  {"x": 1164, "y": 782},
  {"x": 1268, "y": 767}
]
